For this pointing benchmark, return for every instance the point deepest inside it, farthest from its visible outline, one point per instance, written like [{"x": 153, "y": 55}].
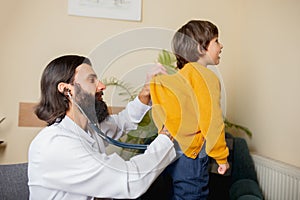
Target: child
[{"x": 187, "y": 105}]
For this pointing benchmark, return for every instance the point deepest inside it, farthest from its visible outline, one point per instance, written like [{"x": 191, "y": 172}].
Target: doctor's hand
[{"x": 144, "y": 95}]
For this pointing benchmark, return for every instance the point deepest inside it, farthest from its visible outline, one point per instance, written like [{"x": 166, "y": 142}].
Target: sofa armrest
[
  {"x": 245, "y": 189},
  {"x": 243, "y": 165}
]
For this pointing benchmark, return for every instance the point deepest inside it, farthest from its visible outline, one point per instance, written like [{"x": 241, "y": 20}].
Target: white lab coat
[{"x": 66, "y": 163}]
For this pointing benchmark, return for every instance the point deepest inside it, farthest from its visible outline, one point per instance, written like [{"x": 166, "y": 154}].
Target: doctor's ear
[{"x": 64, "y": 89}]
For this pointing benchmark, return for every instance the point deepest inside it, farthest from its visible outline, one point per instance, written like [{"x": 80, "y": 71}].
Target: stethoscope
[{"x": 108, "y": 139}]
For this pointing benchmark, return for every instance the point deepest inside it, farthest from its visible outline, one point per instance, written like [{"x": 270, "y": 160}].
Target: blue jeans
[{"x": 190, "y": 178}]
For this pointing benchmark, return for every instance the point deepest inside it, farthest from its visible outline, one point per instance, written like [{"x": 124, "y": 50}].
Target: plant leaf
[
  {"x": 168, "y": 60},
  {"x": 229, "y": 124}
]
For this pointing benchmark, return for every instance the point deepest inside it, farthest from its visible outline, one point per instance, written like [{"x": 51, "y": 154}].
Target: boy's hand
[{"x": 223, "y": 168}]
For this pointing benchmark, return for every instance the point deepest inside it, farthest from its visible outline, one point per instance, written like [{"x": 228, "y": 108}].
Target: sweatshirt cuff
[{"x": 222, "y": 161}]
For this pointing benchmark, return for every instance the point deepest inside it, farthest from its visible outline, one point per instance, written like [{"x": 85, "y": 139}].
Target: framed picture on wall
[{"x": 111, "y": 9}]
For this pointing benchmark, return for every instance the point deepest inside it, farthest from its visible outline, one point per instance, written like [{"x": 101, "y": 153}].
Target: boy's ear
[{"x": 201, "y": 50}]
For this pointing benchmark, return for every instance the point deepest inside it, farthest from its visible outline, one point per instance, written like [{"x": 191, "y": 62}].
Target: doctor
[{"x": 67, "y": 160}]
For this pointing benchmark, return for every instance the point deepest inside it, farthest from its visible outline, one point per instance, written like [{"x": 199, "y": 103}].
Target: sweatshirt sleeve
[
  {"x": 206, "y": 87},
  {"x": 212, "y": 123}
]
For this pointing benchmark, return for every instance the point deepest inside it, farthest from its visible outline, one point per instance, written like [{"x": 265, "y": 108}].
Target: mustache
[{"x": 99, "y": 95}]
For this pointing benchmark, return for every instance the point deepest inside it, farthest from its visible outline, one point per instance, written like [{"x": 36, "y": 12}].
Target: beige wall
[
  {"x": 266, "y": 81},
  {"x": 260, "y": 61}
]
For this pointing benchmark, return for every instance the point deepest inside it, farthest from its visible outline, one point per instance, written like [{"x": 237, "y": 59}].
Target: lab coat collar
[{"x": 69, "y": 125}]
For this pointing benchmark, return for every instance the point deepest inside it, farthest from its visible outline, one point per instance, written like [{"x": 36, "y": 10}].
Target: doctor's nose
[{"x": 100, "y": 86}]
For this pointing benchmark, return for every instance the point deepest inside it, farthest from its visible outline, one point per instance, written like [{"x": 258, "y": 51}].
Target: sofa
[
  {"x": 239, "y": 183},
  {"x": 13, "y": 181}
]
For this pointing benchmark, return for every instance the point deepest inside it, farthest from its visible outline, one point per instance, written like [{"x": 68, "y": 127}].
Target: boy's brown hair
[{"x": 192, "y": 39}]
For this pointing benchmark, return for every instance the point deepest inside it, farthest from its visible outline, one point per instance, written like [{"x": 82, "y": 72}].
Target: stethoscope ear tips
[{"x": 67, "y": 92}]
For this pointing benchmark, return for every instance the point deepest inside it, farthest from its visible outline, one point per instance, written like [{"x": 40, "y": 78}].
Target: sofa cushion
[
  {"x": 244, "y": 187},
  {"x": 249, "y": 197},
  {"x": 13, "y": 181}
]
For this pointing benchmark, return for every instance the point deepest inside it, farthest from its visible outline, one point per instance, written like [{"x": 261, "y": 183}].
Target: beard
[
  {"x": 93, "y": 106},
  {"x": 101, "y": 108}
]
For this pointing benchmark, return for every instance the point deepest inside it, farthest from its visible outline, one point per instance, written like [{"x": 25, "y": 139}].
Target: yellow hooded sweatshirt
[{"x": 188, "y": 105}]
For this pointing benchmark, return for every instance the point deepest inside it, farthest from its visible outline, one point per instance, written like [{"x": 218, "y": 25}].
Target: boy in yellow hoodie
[{"x": 187, "y": 105}]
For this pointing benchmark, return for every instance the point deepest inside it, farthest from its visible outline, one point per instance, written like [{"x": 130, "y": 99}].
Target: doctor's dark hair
[
  {"x": 53, "y": 104},
  {"x": 192, "y": 39}
]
